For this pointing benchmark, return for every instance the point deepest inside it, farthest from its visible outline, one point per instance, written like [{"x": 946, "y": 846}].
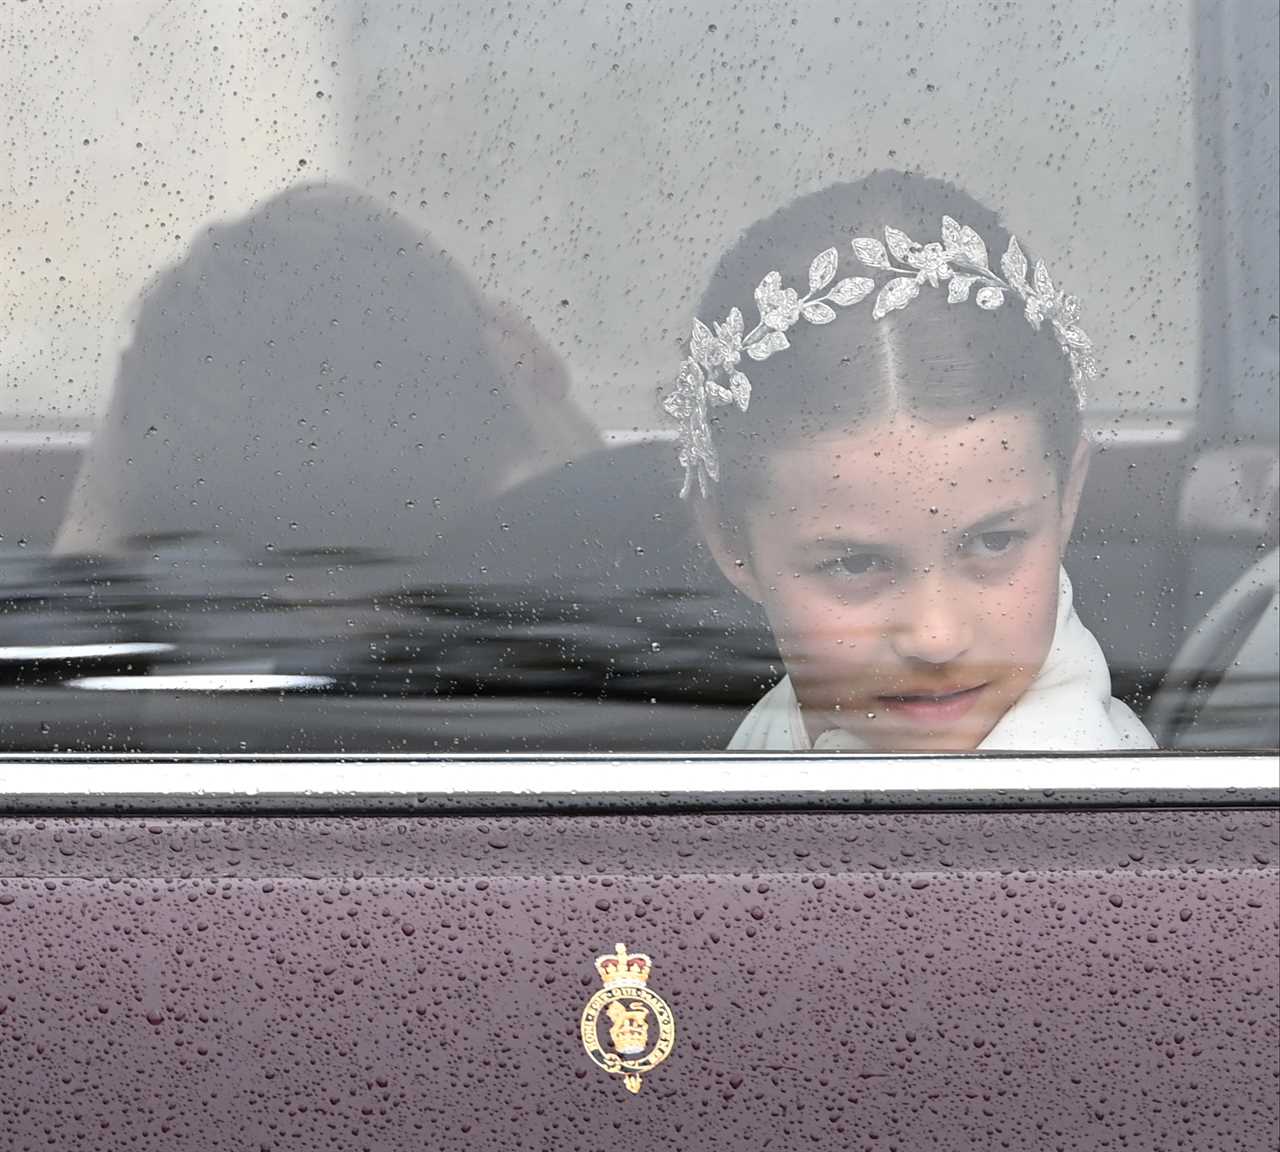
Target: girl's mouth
[{"x": 932, "y": 709}]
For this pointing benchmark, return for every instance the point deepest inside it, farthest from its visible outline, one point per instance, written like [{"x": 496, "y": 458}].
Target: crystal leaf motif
[
  {"x": 871, "y": 252},
  {"x": 818, "y": 313},
  {"x": 899, "y": 243},
  {"x": 709, "y": 375},
  {"x": 851, "y": 291},
  {"x": 896, "y": 294},
  {"x": 823, "y": 270}
]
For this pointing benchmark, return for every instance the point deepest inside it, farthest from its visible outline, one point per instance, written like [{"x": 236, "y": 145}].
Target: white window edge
[{"x": 628, "y": 776}]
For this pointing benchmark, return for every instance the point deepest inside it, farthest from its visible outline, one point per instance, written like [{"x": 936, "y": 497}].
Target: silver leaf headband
[{"x": 709, "y": 375}]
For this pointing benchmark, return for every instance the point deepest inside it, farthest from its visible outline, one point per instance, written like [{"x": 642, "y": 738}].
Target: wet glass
[{"x": 337, "y": 339}]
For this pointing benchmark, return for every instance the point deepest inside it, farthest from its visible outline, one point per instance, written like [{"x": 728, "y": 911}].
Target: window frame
[{"x": 80, "y": 783}]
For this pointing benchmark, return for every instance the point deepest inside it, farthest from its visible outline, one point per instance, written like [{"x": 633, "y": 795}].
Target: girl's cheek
[
  {"x": 842, "y": 630},
  {"x": 811, "y": 617},
  {"x": 1031, "y": 605}
]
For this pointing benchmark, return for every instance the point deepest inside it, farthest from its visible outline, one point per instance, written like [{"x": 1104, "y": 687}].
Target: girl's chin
[
  {"x": 914, "y": 742},
  {"x": 885, "y": 735},
  {"x": 955, "y": 721}
]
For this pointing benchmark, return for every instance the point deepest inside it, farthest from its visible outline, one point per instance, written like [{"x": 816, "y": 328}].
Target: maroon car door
[{"x": 981, "y": 971}]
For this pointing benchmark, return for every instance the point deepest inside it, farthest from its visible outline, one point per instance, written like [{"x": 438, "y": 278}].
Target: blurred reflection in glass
[{"x": 318, "y": 374}]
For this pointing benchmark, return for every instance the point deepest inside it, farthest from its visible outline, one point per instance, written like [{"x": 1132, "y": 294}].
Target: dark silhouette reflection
[
  {"x": 341, "y": 502},
  {"x": 570, "y": 614},
  {"x": 596, "y": 572},
  {"x": 316, "y": 374},
  {"x": 186, "y": 646}
]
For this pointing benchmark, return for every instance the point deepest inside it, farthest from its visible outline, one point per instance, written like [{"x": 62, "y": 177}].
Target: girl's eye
[
  {"x": 993, "y": 543},
  {"x": 860, "y": 564}
]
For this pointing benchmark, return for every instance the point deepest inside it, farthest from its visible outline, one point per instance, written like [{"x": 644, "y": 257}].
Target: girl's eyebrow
[
  {"x": 999, "y": 517},
  {"x": 846, "y": 544}
]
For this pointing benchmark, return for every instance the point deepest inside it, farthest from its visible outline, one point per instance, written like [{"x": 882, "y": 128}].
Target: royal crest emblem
[{"x": 627, "y": 1028}]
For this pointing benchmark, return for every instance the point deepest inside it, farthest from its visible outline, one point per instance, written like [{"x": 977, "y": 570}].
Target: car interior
[{"x": 579, "y": 611}]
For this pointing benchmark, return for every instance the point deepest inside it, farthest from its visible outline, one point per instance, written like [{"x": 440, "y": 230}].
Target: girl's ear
[
  {"x": 728, "y": 549},
  {"x": 1071, "y": 492}
]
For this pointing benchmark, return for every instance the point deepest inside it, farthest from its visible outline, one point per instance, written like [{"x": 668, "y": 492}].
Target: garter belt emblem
[{"x": 627, "y": 1029}]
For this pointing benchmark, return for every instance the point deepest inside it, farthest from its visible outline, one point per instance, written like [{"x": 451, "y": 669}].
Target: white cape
[{"x": 1067, "y": 708}]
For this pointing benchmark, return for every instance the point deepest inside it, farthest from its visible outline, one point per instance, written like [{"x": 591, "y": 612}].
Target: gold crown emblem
[
  {"x": 633, "y": 1011},
  {"x": 623, "y": 967},
  {"x": 628, "y": 1027}
]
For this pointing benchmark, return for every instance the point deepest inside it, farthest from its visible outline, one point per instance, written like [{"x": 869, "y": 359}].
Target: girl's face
[{"x": 910, "y": 573}]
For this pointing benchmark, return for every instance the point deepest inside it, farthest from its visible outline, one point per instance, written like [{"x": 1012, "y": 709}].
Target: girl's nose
[{"x": 934, "y": 625}]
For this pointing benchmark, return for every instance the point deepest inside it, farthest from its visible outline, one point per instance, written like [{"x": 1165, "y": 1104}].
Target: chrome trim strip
[
  {"x": 529, "y": 777},
  {"x": 23, "y": 652},
  {"x": 20, "y": 438},
  {"x": 200, "y": 682}
]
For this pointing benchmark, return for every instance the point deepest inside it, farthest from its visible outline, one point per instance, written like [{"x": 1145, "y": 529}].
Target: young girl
[{"x": 889, "y": 460}]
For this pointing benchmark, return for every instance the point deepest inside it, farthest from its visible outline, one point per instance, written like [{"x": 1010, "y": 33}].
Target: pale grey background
[{"x": 590, "y": 161}]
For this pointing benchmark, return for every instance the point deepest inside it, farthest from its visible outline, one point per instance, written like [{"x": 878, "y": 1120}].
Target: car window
[{"x": 389, "y": 378}]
